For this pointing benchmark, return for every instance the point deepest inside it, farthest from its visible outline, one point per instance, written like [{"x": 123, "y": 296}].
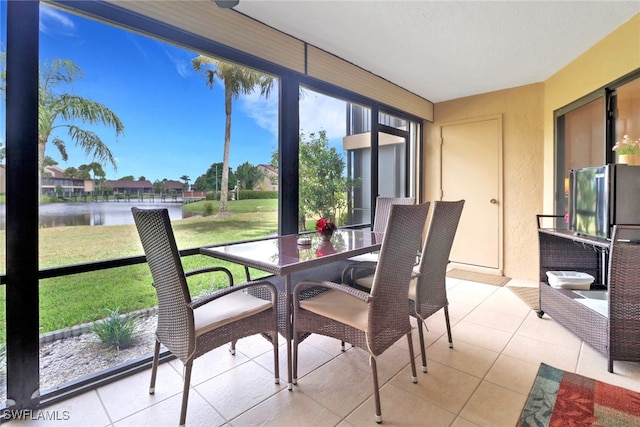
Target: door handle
[{"x": 493, "y": 201}]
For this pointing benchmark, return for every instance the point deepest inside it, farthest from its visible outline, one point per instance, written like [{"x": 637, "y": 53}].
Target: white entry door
[{"x": 472, "y": 170}]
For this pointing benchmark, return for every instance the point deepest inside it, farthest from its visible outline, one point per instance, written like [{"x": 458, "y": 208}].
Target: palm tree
[
  {"x": 59, "y": 109},
  {"x": 186, "y": 180},
  {"x": 236, "y": 80}
]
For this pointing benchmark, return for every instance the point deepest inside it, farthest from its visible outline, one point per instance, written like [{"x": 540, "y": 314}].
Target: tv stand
[{"x": 610, "y": 321}]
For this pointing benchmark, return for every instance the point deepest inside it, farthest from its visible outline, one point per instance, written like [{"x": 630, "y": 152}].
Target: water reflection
[{"x": 95, "y": 213}]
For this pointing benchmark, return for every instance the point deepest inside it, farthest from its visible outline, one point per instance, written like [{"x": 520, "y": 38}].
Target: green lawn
[{"x": 80, "y": 298}]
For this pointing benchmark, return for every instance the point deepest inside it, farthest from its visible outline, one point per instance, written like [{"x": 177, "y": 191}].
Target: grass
[{"x": 82, "y": 298}]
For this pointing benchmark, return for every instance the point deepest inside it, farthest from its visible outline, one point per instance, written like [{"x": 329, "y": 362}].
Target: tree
[
  {"x": 323, "y": 187},
  {"x": 142, "y": 178},
  {"x": 98, "y": 172},
  {"x": 59, "y": 109},
  {"x": 48, "y": 161},
  {"x": 186, "y": 180},
  {"x": 128, "y": 178},
  {"x": 71, "y": 172},
  {"x": 249, "y": 175},
  {"x": 236, "y": 80}
]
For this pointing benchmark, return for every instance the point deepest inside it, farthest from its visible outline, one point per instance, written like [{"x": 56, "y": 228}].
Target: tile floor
[{"x": 483, "y": 381}]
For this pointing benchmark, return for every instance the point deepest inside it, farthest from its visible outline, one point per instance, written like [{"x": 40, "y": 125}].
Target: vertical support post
[
  {"x": 23, "y": 191},
  {"x": 288, "y": 149}
]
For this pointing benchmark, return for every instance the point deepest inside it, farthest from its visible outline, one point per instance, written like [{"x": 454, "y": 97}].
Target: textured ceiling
[{"x": 443, "y": 50}]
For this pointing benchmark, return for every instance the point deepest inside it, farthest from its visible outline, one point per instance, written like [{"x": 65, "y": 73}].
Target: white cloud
[
  {"x": 317, "y": 112},
  {"x": 52, "y": 20}
]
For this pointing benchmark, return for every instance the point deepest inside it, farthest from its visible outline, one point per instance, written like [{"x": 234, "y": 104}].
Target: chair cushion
[
  {"x": 339, "y": 306},
  {"x": 412, "y": 289},
  {"x": 227, "y": 309},
  {"x": 370, "y": 257},
  {"x": 365, "y": 282}
]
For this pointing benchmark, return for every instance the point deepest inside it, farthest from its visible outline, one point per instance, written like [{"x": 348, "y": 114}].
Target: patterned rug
[
  {"x": 472, "y": 276},
  {"x": 560, "y": 398}
]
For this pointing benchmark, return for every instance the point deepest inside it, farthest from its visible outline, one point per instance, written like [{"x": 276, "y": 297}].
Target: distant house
[
  {"x": 270, "y": 180},
  {"x": 142, "y": 187},
  {"x": 129, "y": 187},
  {"x": 53, "y": 179},
  {"x": 174, "y": 186}
]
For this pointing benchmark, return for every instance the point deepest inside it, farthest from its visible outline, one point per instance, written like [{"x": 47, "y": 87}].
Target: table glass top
[{"x": 278, "y": 253}]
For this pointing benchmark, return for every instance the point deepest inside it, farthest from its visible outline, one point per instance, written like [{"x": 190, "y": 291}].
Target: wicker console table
[{"x": 614, "y": 331}]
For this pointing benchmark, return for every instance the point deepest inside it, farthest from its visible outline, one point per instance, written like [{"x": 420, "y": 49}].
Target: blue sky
[{"x": 174, "y": 123}]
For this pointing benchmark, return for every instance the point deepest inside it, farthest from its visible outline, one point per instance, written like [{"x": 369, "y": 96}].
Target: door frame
[{"x": 500, "y": 166}]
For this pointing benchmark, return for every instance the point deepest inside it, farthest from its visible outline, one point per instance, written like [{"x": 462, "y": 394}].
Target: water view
[{"x": 95, "y": 213}]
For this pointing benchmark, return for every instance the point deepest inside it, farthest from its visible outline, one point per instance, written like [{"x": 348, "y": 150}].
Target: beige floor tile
[
  {"x": 494, "y": 319},
  {"x": 625, "y": 374},
  {"x": 548, "y": 330},
  {"x": 210, "y": 364},
  {"x": 481, "y": 336},
  {"x": 514, "y": 374},
  {"x": 83, "y": 410},
  {"x": 167, "y": 414},
  {"x": 390, "y": 363},
  {"x": 326, "y": 344},
  {"x": 310, "y": 358},
  {"x": 465, "y": 357},
  {"x": 494, "y": 406},
  {"x": 400, "y": 408},
  {"x": 131, "y": 394},
  {"x": 287, "y": 408},
  {"x": 239, "y": 389},
  {"x": 255, "y": 346},
  {"x": 470, "y": 293},
  {"x": 535, "y": 351},
  {"x": 443, "y": 386},
  {"x": 483, "y": 381},
  {"x": 461, "y": 422},
  {"x": 338, "y": 385},
  {"x": 505, "y": 301}
]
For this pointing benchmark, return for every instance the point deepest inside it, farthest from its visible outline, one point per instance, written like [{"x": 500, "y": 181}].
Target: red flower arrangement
[{"x": 325, "y": 226}]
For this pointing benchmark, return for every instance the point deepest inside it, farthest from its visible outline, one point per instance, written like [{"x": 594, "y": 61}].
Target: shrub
[
  {"x": 208, "y": 209},
  {"x": 116, "y": 330}
]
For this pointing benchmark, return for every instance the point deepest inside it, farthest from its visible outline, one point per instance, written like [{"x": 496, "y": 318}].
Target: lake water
[{"x": 95, "y": 213}]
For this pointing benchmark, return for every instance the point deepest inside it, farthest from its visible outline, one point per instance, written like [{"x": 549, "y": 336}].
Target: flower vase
[
  {"x": 629, "y": 159},
  {"x": 326, "y": 237}
]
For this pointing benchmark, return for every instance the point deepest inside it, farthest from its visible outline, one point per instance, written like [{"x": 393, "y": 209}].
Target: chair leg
[
  {"x": 295, "y": 360},
  {"x": 446, "y": 317},
  {"x": 232, "y": 349},
  {"x": 276, "y": 359},
  {"x": 185, "y": 392},
  {"x": 414, "y": 377},
  {"x": 423, "y": 351},
  {"x": 154, "y": 367},
  {"x": 376, "y": 390},
  {"x": 342, "y": 346}
]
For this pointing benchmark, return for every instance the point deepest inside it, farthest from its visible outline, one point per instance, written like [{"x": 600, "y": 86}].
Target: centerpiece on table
[
  {"x": 325, "y": 227},
  {"x": 628, "y": 151}
]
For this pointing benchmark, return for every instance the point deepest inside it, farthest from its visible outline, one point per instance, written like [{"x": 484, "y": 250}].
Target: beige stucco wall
[
  {"x": 522, "y": 132},
  {"x": 528, "y": 137},
  {"x": 613, "y": 57}
]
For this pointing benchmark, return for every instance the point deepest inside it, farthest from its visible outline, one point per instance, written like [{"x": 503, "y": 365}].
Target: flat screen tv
[{"x": 601, "y": 197}]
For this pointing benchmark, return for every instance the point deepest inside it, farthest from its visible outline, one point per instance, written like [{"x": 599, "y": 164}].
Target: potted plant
[{"x": 628, "y": 151}]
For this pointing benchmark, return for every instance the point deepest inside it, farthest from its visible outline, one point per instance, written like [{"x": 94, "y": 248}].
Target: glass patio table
[{"x": 284, "y": 256}]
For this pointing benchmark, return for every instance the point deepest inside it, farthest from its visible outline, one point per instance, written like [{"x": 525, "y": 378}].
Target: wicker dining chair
[
  {"x": 187, "y": 328},
  {"x": 371, "y": 321},
  {"x": 368, "y": 261},
  {"x": 428, "y": 290}
]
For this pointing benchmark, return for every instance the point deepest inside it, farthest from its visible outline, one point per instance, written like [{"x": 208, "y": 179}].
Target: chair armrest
[
  {"x": 222, "y": 292},
  {"x": 210, "y": 270},
  {"x": 356, "y": 293}
]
